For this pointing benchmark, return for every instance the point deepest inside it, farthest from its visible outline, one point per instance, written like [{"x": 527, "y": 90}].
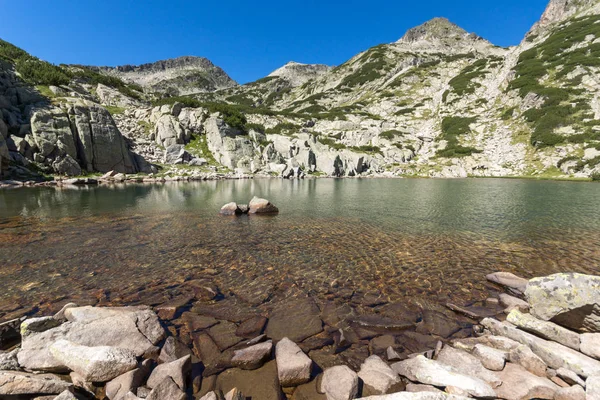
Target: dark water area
[{"x": 365, "y": 242}]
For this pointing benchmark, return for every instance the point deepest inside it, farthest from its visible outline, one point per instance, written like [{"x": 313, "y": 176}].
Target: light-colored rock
[
  {"x": 570, "y": 393},
  {"x": 94, "y": 364},
  {"x": 467, "y": 364},
  {"x": 508, "y": 279},
  {"x": 497, "y": 342},
  {"x": 209, "y": 396},
  {"x": 293, "y": 366},
  {"x": 66, "y": 395},
  {"x": 36, "y": 325},
  {"x": 132, "y": 328},
  {"x": 339, "y": 383},
  {"x": 544, "y": 329},
  {"x": 492, "y": 359},
  {"x": 423, "y": 370},
  {"x": 177, "y": 370},
  {"x": 261, "y": 206},
  {"x": 252, "y": 357},
  {"x": 417, "y": 387},
  {"x": 416, "y": 396},
  {"x": 230, "y": 209},
  {"x": 377, "y": 376},
  {"x": 167, "y": 389},
  {"x": 527, "y": 359},
  {"x": 511, "y": 303},
  {"x": 592, "y": 387},
  {"x": 590, "y": 344},
  {"x": 555, "y": 355},
  {"x": 168, "y": 131},
  {"x": 60, "y": 316},
  {"x": 519, "y": 384},
  {"x": 569, "y": 299},
  {"x": 22, "y": 383}
]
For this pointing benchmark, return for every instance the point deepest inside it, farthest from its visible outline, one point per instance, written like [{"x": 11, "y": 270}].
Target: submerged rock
[
  {"x": 569, "y": 299},
  {"x": 509, "y": 280}
]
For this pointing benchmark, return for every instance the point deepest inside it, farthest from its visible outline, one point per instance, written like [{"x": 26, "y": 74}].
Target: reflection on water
[{"x": 400, "y": 239}]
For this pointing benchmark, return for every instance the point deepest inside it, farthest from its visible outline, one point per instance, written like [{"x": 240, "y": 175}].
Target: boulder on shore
[{"x": 568, "y": 299}]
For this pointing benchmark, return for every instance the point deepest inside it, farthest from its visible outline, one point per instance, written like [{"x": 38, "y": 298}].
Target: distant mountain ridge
[{"x": 177, "y": 76}]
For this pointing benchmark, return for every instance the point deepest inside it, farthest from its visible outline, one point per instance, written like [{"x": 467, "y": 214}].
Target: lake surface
[{"x": 391, "y": 239}]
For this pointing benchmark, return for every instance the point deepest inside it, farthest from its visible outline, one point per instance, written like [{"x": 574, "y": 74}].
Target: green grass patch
[
  {"x": 284, "y": 128},
  {"x": 392, "y": 134},
  {"x": 452, "y": 128},
  {"x": 114, "y": 110}
]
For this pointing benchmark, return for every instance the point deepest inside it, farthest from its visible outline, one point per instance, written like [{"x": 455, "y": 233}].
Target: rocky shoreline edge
[{"x": 545, "y": 344}]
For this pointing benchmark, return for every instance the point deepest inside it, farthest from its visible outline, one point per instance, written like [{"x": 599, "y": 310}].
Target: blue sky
[{"x": 248, "y": 39}]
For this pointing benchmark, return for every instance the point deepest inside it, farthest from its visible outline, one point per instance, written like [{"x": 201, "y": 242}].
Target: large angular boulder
[
  {"x": 252, "y": 357},
  {"x": 468, "y": 364},
  {"x": 118, "y": 388},
  {"x": 378, "y": 377},
  {"x": 178, "y": 370},
  {"x": 168, "y": 131},
  {"x": 133, "y": 328},
  {"x": 94, "y": 364},
  {"x": 293, "y": 366},
  {"x": 339, "y": 383},
  {"x": 423, "y": 370},
  {"x": 568, "y": 299}
]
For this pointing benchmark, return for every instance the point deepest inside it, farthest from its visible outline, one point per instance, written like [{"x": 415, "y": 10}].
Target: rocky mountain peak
[
  {"x": 298, "y": 73},
  {"x": 436, "y": 28},
  {"x": 441, "y": 35}
]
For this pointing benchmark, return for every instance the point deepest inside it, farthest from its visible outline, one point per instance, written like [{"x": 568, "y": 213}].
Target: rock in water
[
  {"x": 16, "y": 383},
  {"x": 377, "y": 376},
  {"x": 94, "y": 364},
  {"x": 261, "y": 206},
  {"x": 293, "y": 366},
  {"x": 252, "y": 357},
  {"x": 569, "y": 299},
  {"x": 176, "y": 370},
  {"x": 423, "y": 370},
  {"x": 509, "y": 280},
  {"x": 339, "y": 383},
  {"x": 230, "y": 209}
]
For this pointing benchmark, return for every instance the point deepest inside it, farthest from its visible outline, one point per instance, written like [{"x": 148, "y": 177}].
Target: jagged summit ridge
[
  {"x": 298, "y": 73},
  {"x": 175, "y": 76},
  {"x": 560, "y": 10}
]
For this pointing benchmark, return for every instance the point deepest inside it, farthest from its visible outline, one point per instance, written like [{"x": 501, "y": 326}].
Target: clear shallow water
[{"x": 398, "y": 240}]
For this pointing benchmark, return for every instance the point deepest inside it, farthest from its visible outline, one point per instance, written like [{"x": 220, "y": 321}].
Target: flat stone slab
[
  {"x": 22, "y": 383},
  {"x": 430, "y": 372},
  {"x": 518, "y": 383},
  {"x": 296, "y": 320},
  {"x": 555, "y": 355},
  {"x": 467, "y": 364},
  {"x": 544, "y": 329},
  {"x": 508, "y": 279}
]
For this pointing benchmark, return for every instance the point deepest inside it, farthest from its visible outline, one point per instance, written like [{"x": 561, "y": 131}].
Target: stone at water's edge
[
  {"x": 293, "y": 366},
  {"x": 517, "y": 383},
  {"x": 339, "y": 383},
  {"x": 94, "y": 364},
  {"x": 261, "y": 206},
  {"x": 176, "y": 370},
  {"x": 509, "y": 280},
  {"x": 15, "y": 383},
  {"x": 439, "y": 395},
  {"x": 468, "y": 364},
  {"x": 421, "y": 369},
  {"x": 544, "y": 329},
  {"x": 230, "y": 209},
  {"x": 252, "y": 357},
  {"x": 569, "y": 299},
  {"x": 378, "y": 377}
]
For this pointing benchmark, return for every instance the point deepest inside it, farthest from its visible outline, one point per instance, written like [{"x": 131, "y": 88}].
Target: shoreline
[
  {"x": 203, "y": 346},
  {"x": 93, "y": 180}
]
